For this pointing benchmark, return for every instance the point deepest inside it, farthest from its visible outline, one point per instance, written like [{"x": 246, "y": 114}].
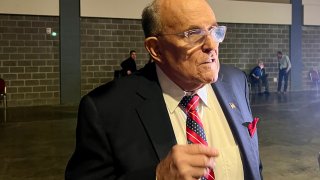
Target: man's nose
[{"x": 210, "y": 43}]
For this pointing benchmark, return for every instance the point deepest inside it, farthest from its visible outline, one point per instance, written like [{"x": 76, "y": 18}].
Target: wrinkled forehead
[{"x": 185, "y": 14}]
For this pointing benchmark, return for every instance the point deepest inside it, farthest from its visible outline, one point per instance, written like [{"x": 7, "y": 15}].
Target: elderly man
[
  {"x": 258, "y": 77},
  {"x": 181, "y": 117}
]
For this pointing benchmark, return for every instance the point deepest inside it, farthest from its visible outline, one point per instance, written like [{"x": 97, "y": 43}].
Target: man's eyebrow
[
  {"x": 191, "y": 27},
  {"x": 215, "y": 24}
]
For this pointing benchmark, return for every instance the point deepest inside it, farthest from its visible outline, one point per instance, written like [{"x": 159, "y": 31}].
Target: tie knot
[{"x": 190, "y": 103}]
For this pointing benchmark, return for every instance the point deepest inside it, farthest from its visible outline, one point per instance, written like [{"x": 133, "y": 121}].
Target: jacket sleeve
[{"x": 93, "y": 158}]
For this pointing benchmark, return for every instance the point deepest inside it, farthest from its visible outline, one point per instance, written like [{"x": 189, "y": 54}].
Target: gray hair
[{"x": 151, "y": 22}]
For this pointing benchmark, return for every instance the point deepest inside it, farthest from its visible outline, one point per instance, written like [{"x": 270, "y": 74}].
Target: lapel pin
[{"x": 232, "y": 106}]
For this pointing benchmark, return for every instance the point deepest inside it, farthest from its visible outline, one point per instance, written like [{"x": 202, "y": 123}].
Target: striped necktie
[{"x": 194, "y": 127}]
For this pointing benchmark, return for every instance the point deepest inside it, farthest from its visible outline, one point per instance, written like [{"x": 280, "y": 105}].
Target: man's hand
[{"x": 186, "y": 162}]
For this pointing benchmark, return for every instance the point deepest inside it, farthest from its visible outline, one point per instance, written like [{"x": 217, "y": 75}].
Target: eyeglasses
[{"x": 198, "y": 36}]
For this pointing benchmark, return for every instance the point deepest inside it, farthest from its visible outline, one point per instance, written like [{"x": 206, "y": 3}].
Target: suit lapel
[
  {"x": 154, "y": 116},
  {"x": 235, "y": 118}
]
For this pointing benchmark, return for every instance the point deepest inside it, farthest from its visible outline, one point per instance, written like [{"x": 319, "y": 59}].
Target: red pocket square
[{"x": 252, "y": 126}]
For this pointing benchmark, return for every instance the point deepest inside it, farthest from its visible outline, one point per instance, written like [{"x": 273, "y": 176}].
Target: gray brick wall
[
  {"x": 310, "y": 53},
  {"x": 29, "y": 59},
  {"x": 246, "y": 43},
  {"x": 105, "y": 43}
]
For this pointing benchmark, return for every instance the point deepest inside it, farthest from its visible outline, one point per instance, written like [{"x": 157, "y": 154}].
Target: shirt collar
[{"x": 173, "y": 94}]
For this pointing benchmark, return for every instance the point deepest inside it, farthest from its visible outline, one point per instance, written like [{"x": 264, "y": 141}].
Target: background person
[
  {"x": 129, "y": 65},
  {"x": 259, "y": 78},
  {"x": 135, "y": 127},
  {"x": 284, "y": 70}
]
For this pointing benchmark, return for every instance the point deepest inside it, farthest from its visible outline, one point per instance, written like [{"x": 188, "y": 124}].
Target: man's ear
[{"x": 152, "y": 46}]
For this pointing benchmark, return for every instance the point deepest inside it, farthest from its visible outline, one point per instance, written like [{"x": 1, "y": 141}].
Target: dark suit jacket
[{"x": 124, "y": 129}]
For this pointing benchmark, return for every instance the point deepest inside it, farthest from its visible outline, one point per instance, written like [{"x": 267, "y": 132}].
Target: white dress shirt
[{"x": 228, "y": 163}]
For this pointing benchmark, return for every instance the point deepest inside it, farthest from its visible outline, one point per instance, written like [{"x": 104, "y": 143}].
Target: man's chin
[
  {"x": 211, "y": 77},
  {"x": 210, "y": 80},
  {"x": 214, "y": 80}
]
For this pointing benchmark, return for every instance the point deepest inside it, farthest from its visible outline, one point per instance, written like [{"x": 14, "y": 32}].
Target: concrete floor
[{"x": 36, "y": 142}]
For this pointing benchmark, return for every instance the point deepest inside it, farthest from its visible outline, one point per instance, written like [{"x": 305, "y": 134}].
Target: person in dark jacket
[
  {"x": 259, "y": 78},
  {"x": 129, "y": 65},
  {"x": 136, "y": 128}
]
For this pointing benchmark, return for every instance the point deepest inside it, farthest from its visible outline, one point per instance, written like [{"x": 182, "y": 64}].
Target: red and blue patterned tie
[{"x": 194, "y": 127}]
